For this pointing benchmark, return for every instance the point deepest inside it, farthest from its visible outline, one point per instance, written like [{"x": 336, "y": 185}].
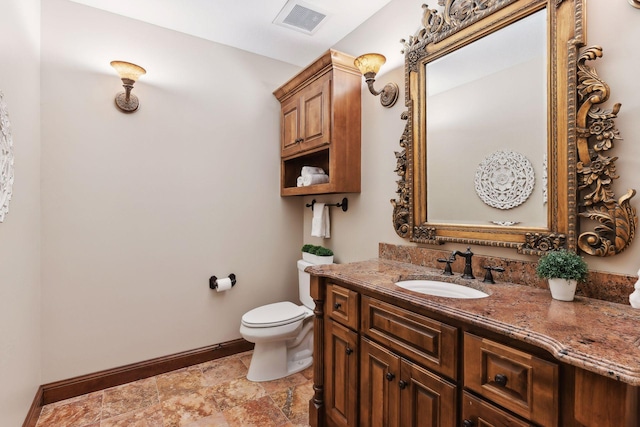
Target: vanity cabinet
[
  {"x": 320, "y": 125},
  {"x": 429, "y": 361},
  {"x": 385, "y": 359}
]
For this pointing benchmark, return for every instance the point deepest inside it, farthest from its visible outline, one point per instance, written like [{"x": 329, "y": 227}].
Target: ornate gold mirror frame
[{"x": 579, "y": 134}]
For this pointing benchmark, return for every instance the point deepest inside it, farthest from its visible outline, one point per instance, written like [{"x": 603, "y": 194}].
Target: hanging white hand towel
[{"x": 320, "y": 223}]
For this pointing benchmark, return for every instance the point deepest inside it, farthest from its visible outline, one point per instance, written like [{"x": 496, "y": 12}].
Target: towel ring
[{"x": 344, "y": 204}]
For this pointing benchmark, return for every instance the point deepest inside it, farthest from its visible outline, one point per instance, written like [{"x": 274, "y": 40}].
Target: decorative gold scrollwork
[
  {"x": 456, "y": 15},
  {"x": 402, "y": 205},
  {"x": 596, "y": 170},
  {"x": 540, "y": 243},
  {"x": 426, "y": 235}
]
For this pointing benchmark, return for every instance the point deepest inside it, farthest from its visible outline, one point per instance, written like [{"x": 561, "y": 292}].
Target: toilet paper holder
[{"x": 213, "y": 281}]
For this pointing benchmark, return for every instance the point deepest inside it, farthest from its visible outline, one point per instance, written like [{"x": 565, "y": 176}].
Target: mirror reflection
[{"x": 486, "y": 129}]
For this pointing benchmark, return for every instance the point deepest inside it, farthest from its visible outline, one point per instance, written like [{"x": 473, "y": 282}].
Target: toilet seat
[{"x": 276, "y": 314}]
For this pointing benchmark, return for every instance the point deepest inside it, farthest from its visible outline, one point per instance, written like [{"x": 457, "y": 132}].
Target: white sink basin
[{"x": 441, "y": 289}]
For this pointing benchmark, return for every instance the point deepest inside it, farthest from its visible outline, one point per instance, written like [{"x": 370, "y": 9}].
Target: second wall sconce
[
  {"x": 369, "y": 64},
  {"x": 129, "y": 73}
]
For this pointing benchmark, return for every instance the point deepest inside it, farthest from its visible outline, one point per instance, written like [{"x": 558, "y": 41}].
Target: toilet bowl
[{"x": 282, "y": 333}]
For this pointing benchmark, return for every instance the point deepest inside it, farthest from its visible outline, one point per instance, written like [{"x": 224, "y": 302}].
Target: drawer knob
[
  {"x": 467, "y": 423},
  {"x": 390, "y": 376},
  {"x": 349, "y": 350},
  {"x": 337, "y": 306},
  {"x": 402, "y": 384},
  {"x": 501, "y": 380}
]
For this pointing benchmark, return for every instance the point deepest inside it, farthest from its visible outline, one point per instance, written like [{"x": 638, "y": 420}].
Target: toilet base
[{"x": 270, "y": 362}]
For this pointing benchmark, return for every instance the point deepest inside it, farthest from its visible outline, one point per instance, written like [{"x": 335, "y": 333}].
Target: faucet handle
[
  {"x": 488, "y": 277},
  {"x": 447, "y": 269}
]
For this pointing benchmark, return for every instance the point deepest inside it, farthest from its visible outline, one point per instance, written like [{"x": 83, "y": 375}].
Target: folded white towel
[
  {"x": 299, "y": 182},
  {"x": 316, "y": 178},
  {"x": 311, "y": 170},
  {"x": 320, "y": 223}
]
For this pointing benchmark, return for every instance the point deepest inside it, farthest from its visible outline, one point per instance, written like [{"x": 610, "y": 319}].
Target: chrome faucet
[{"x": 468, "y": 270}]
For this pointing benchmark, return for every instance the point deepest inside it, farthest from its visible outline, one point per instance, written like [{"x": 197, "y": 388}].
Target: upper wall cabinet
[{"x": 320, "y": 125}]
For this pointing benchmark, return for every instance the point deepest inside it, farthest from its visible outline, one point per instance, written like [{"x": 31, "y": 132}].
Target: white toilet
[{"x": 282, "y": 333}]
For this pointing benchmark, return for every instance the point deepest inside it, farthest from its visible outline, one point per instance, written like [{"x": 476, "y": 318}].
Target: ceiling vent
[{"x": 300, "y": 16}]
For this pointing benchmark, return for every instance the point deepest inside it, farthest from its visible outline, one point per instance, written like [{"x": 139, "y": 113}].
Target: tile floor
[{"x": 214, "y": 393}]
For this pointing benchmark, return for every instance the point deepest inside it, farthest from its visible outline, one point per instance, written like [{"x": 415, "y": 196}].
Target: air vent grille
[{"x": 301, "y": 17}]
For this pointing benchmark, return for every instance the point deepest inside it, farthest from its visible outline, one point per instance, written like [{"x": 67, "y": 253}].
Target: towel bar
[{"x": 344, "y": 204}]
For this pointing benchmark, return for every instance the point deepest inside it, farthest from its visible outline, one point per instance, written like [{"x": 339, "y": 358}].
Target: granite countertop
[{"x": 598, "y": 336}]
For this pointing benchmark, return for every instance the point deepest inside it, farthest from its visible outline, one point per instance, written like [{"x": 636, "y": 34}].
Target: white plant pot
[
  {"x": 316, "y": 259},
  {"x": 562, "y": 289}
]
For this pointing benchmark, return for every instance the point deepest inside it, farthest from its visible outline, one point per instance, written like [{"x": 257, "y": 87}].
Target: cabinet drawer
[
  {"x": 518, "y": 381},
  {"x": 342, "y": 305},
  {"x": 426, "y": 341},
  {"x": 477, "y": 413}
]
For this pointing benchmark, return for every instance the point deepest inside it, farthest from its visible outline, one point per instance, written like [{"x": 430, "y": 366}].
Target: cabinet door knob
[
  {"x": 349, "y": 350},
  {"x": 467, "y": 423},
  {"x": 501, "y": 380},
  {"x": 337, "y": 306},
  {"x": 402, "y": 384},
  {"x": 390, "y": 376}
]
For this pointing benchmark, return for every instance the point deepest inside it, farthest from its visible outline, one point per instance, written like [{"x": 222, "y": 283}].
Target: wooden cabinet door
[
  {"x": 290, "y": 127},
  {"x": 426, "y": 400},
  {"x": 341, "y": 375},
  {"x": 315, "y": 114},
  {"x": 379, "y": 390}
]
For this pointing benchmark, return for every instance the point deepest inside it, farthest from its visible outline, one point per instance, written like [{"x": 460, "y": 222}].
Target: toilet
[{"x": 282, "y": 333}]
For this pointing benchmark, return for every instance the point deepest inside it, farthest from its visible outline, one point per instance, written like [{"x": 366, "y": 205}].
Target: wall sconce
[
  {"x": 369, "y": 64},
  {"x": 129, "y": 73}
]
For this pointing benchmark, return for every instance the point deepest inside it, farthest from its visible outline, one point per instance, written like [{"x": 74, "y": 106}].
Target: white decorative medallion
[
  {"x": 6, "y": 159},
  {"x": 504, "y": 179}
]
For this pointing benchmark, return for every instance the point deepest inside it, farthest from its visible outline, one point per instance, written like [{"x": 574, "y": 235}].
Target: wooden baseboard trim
[
  {"x": 66, "y": 389},
  {"x": 35, "y": 409}
]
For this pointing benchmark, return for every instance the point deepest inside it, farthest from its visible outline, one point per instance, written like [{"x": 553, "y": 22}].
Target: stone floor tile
[
  {"x": 181, "y": 382},
  {"x": 221, "y": 370},
  {"x": 77, "y": 412},
  {"x": 186, "y": 409},
  {"x": 283, "y": 383},
  {"x": 147, "y": 417},
  {"x": 129, "y": 397},
  {"x": 294, "y": 403},
  {"x": 260, "y": 412},
  {"x": 236, "y": 392}
]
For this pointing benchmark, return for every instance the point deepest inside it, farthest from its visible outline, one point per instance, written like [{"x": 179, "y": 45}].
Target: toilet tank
[{"x": 304, "y": 284}]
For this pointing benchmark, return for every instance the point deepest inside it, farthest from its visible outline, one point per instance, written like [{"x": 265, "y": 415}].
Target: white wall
[
  {"x": 20, "y": 349},
  {"x": 356, "y": 233},
  {"x": 139, "y": 210}
]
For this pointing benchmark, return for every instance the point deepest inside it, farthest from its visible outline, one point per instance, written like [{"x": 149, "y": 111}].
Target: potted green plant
[
  {"x": 563, "y": 269},
  {"x": 317, "y": 254}
]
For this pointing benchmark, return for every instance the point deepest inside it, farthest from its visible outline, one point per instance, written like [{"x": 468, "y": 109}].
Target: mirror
[
  {"x": 488, "y": 148},
  {"x": 499, "y": 173}
]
